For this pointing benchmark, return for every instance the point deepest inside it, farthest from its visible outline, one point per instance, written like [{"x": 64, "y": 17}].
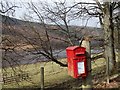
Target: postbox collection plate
[{"x": 81, "y": 67}]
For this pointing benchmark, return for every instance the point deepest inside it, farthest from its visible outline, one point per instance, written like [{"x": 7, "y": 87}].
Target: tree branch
[{"x": 8, "y": 9}]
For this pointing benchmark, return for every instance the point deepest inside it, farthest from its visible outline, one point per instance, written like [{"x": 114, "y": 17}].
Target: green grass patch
[{"x": 54, "y": 73}]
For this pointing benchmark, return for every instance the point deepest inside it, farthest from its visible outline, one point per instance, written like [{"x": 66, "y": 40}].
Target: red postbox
[{"x": 76, "y": 61}]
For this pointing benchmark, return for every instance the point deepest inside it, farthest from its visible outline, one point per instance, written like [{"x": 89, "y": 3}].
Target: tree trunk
[
  {"x": 118, "y": 40},
  {"x": 109, "y": 40},
  {"x": 87, "y": 82}
]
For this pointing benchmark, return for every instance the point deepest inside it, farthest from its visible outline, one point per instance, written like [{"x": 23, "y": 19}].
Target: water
[{"x": 30, "y": 58}]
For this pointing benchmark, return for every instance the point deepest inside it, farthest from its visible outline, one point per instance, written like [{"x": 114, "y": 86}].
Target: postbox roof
[{"x": 72, "y": 47}]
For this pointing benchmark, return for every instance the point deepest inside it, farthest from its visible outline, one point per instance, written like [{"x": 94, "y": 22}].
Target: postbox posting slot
[
  {"x": 75, "y": 58},
  {"x": 82, "y": 59},
  {"x": 78, "y": 54}
]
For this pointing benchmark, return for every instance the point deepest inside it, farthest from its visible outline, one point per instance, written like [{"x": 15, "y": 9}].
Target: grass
[{"x": 54, "y": 74}]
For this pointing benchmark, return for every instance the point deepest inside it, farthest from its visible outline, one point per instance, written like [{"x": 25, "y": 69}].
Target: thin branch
[{"x": 11, "y": 8}]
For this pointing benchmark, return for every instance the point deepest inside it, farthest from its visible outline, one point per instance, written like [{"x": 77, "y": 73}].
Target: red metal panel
[
  {"x": 75, "y": 55},
  {"x": 72, "y": 48}
]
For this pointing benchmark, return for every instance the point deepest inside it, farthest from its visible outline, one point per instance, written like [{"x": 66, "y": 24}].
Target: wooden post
[
  {"x": 107, "y": 71},
  {"x": 87, "y": 82},
  {"x": 42, "y": 77},
  {"x": 118, "y": 59}
]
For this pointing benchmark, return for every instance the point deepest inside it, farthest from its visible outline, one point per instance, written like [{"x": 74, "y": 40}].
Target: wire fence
[
  {"x": 30, "y": 75},
  {"x": 9, "y": 78}
]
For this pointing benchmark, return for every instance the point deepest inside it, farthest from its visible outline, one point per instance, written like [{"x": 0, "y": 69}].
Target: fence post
[
  {"x": 87, "y": 82},
  {"x": 42, "y": 77}
]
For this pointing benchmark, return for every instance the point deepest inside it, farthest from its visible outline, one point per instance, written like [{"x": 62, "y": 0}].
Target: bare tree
[
  {"x": 59, "y": 15},
  {"x": 7, "y": 7},
  {"x": 60, "y": 12}
]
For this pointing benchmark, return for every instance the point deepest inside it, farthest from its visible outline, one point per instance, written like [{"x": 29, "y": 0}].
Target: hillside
[{"x": 20, "y": 32}]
